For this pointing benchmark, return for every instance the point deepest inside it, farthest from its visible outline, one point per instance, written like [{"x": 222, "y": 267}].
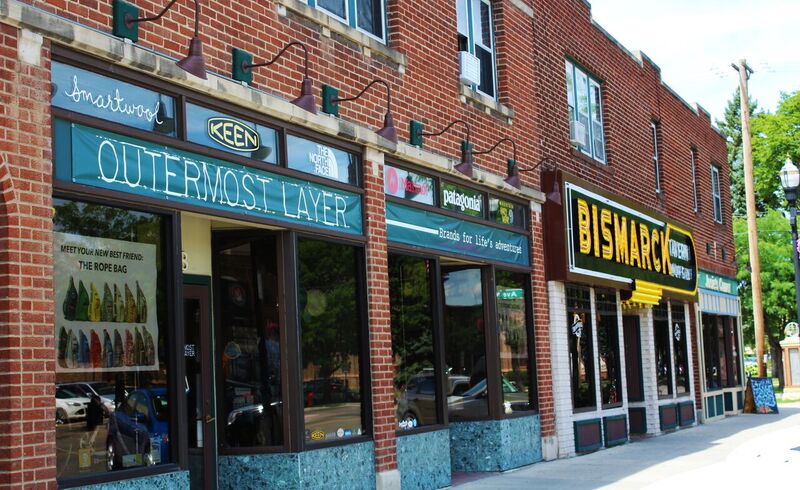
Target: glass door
[{"x": 199, "y": 395}]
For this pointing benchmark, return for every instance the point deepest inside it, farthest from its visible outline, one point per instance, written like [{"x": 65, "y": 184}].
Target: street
[{"x": 746, "y": 451}]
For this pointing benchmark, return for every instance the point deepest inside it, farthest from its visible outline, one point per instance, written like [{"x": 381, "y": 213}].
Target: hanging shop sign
[
  {"x": 214, "y": 129},
  {"x": 417, "y": 227},
  {"x": 321, "y": 160},
  {"x": 94, "y": 95},
  {"x": 105, "y": 294},
  {"x": 614, "y": 242},
  {"x": 408, "y": 185},
  {"x": 120, "y": 163},
  {"x": 718, "y": 284}
]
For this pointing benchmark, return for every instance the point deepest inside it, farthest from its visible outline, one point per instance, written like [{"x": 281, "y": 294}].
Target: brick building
[{"x": 211, "y": 282}]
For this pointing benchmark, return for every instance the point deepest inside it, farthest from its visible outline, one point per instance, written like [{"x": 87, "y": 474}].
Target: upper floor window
[
  {"x": 585, "y": 113},
  {"x": 693, "y": 154},
  {"x": 476, "y": 35},
  {"x": 656, "y": 164},
  {"x": 368, "y": 16},
  {"x": 716, "y": 195}
]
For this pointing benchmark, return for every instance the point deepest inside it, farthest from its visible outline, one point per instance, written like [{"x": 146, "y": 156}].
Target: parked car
[
  {"x": 138, "y": 430},
  {"x": 70, "y": 406},
  {"x": 417, "y": 404},
  {"x": 88, "y": 388},
  {"x": 472, "y": 403}
]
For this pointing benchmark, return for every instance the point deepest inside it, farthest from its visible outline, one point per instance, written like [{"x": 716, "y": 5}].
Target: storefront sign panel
[
  {"x": 408, "y": 185},
  {"x": 112, "y": 100},
  {"x": 422, "y": 228},
  {"x": 321, "y": 160},
  {"x": 719, "y": 284},
  {"x": 105, "y": 294},
  {"x": 115, "y": 162},
  {"x": 462, "y": 200},
  {"x": 612, "y": 241},
  {"x": 211, "y": 128}
]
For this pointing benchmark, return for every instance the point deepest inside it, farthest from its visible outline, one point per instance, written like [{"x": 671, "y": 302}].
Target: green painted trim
[
  {"x": 589, "y": 447},
  {"x": 614, "y": 442}
]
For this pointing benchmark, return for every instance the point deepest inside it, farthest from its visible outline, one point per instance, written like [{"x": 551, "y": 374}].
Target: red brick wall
[{"x": 27, "y": 357}]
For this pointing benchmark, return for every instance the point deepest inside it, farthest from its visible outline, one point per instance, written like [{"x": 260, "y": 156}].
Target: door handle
[{"x": 209, "y": 419}]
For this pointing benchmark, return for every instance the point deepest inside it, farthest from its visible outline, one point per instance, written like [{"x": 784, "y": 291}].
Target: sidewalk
[{"x": 745, "y": 451}]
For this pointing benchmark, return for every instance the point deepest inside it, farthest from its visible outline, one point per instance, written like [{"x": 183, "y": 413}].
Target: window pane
[
  {"x": 111, "y": 335},
  {"x": 487, "y": 70},
  {"x": 582, "y": 91},
  {"x": 485, "y": 35},
  {"x": 512, "y": 320},
  {"x": 465, "y": 344},
  {"x": 330, "y": 325},
  {"x": 608, "y": 346},
  {"x": 661, "y": 331},
  {"x": 411, "y": 307},
  {"x": 462, "y": 18},
  {"x": 370, "y": 17},
  {"x": 711, "y": 352},
  {"x": 598, "y": 142},
  {"x": 251, "y": 352},
  {"x": 733, "y": 350},
  {"x": 336, "y": 7},
  {"x": 680, "y": 350},
  {"x": 694, "y": 179},
  {"x": 581, "y": 357}
]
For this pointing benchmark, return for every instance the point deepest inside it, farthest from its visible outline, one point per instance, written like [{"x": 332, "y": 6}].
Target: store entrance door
[
  {"x": 633, "y": 357},
  {"x": 199, "y": 395}
]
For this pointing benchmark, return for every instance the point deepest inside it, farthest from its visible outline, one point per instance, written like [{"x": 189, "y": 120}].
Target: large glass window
[
  {"x": 250, "y": 347},
  {"x": 475, "y": 25},
  {"x": 585, "y": 107},
  {"x": 661, "y": 332},
  {"x": 680, "y": 349},
  {"x": 111, "y": 338},
  {"x": 716, "y": 196},
  {"x": 411, "y": 308},
  {"x": 693, "y": 155},
  {"x": 465, "y": 343},
  {"x": 656, "y": 162},
  {"x": 512, "y": 322},
  {"x": 711, "y": 352},
  {"x": 581, "y": 356},
  {"x": 330, "y": 324},
  {"x": 608, "y": 346}
]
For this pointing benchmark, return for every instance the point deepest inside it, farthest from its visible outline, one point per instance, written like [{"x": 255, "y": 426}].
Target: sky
[{"x": 694, "y": 43}]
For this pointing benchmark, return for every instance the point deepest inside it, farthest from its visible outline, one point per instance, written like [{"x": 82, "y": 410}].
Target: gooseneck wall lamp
[
  {"x": 125, "y": 24},
  {"x": 513, "y": 170},
  {"x": 243, "y": 71},
  {"x": 331, "y": 100},
  {"x": 416, "y": 134}
]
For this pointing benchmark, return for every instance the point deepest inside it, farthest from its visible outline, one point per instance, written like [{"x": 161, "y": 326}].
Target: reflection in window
[
  {"x": 411, "y": 303},
  {"x": 330, "y": 325},
  {"x": 711, "y": 352},
  {"x": 661, "y": 331},
  {"x": 581, "y": 357},
  {"x": 680, "y": 348},
  {"x": 512, "y": 320},
  {"x": 250, "y": 350},
  {"x": 465, "y": 343},
  {"x": 111, "y": 339},
  {"x": 608, "y": 346}
]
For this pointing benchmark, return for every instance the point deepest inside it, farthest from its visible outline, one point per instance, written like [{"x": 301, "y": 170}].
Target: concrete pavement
[{"x": 745, "y": 451}]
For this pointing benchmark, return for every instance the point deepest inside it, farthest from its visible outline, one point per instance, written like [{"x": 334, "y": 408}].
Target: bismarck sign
[{"x": 595, "y": 237}]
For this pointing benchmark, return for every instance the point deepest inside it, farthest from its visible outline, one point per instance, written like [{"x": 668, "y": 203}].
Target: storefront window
[
  {"x": 330, "y": 323},
  {"x": 661, "y": 332},
  {"x": 680, "y": 350},
  {"x": 581, "y": 357},
  {"x": 733, "y": 346},
  {"x": 608, "y": 346},
  {"x": 250, "y": 347},
  {"x": 411, "y": 307},
  {"x": 711, "y": 352},
  {"x": 512, "y": 322},
  {"x": 111, "y": 338},
  {"x": 721, "y": 352},
  {"x": 723, "y": 358},
  {"x": 465, "y": 344}
]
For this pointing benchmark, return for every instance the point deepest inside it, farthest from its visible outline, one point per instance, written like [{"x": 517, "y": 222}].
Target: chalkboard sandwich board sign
[{"x": 760, "y": 396}]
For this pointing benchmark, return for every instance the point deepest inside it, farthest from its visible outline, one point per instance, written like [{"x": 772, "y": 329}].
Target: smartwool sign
[
  {"x": 609, "y": 240},
  {"x": 422, "y": 228},
  {"x": 115, "y": 162}
]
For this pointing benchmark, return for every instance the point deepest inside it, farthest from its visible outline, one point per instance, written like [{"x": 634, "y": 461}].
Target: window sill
[
  {"x": 486, "y": 104},
  {"x": 369, "y": 46}
]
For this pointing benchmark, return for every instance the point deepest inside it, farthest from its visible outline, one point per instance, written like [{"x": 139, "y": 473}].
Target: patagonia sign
[
  {"x": 610, "y": 241},
  {"x": 462, "y": 200},
  {"x": 233, "y": 134}
]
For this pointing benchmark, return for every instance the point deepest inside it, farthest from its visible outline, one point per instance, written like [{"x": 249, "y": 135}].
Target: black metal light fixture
[
  {"x": 416, "y": 134},
  {"x": 125, "y": 24},
  {"x": 243, "y": 71},
  {"x": 790, "y": 180},
  {"x": 331, "y": 100}
]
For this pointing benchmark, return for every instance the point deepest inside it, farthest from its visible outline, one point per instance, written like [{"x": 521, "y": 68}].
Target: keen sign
[{"x": 233, "y": 134}]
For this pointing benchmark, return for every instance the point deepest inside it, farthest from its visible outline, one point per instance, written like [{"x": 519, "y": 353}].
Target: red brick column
[
  {"x": 541, "y": 329},
  {"x": 380, "y": 329},
  {"x": 27, "y": 357}
]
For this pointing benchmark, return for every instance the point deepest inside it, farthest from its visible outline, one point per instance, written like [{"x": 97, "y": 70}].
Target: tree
[
  {"x": 775, "y": 137},
  {"x": 731, "y": 128},
  {"x": 777, "y": 276}
]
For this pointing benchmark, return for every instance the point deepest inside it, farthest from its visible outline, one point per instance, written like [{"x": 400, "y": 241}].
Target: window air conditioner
[
  {"x": 577, "y": 134},
  {"x": 470, "y": 68}
]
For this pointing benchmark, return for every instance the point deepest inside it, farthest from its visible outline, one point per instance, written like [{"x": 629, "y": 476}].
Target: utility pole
[{"x": 752, "y": 231}]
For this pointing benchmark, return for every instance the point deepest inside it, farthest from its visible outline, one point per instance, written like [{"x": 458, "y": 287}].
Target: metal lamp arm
[
  {"x": 513, "y": 146},
  {"x": 280, "y": 53},
  {"x": 466, "y": 129},
  {"x": 370, "y": 84},
  {"x": 164, "y": 11}
]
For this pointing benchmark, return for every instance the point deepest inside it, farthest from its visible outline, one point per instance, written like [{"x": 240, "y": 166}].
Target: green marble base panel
[
  {"x": 495, "y": 445},
  {"x": 424, "y": 460},
  {"x": 165, "y": 481}
]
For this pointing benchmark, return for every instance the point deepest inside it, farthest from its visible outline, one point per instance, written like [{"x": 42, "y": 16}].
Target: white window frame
[
  {"x": 473, "y": 27},
  {"x": 656, "y": 162},
  {"x": 716, "y": 195},
  {"x": 693, "y": 156},
  {"x": 351, "y": 17},
  {"x": 591, "y": 113}
]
